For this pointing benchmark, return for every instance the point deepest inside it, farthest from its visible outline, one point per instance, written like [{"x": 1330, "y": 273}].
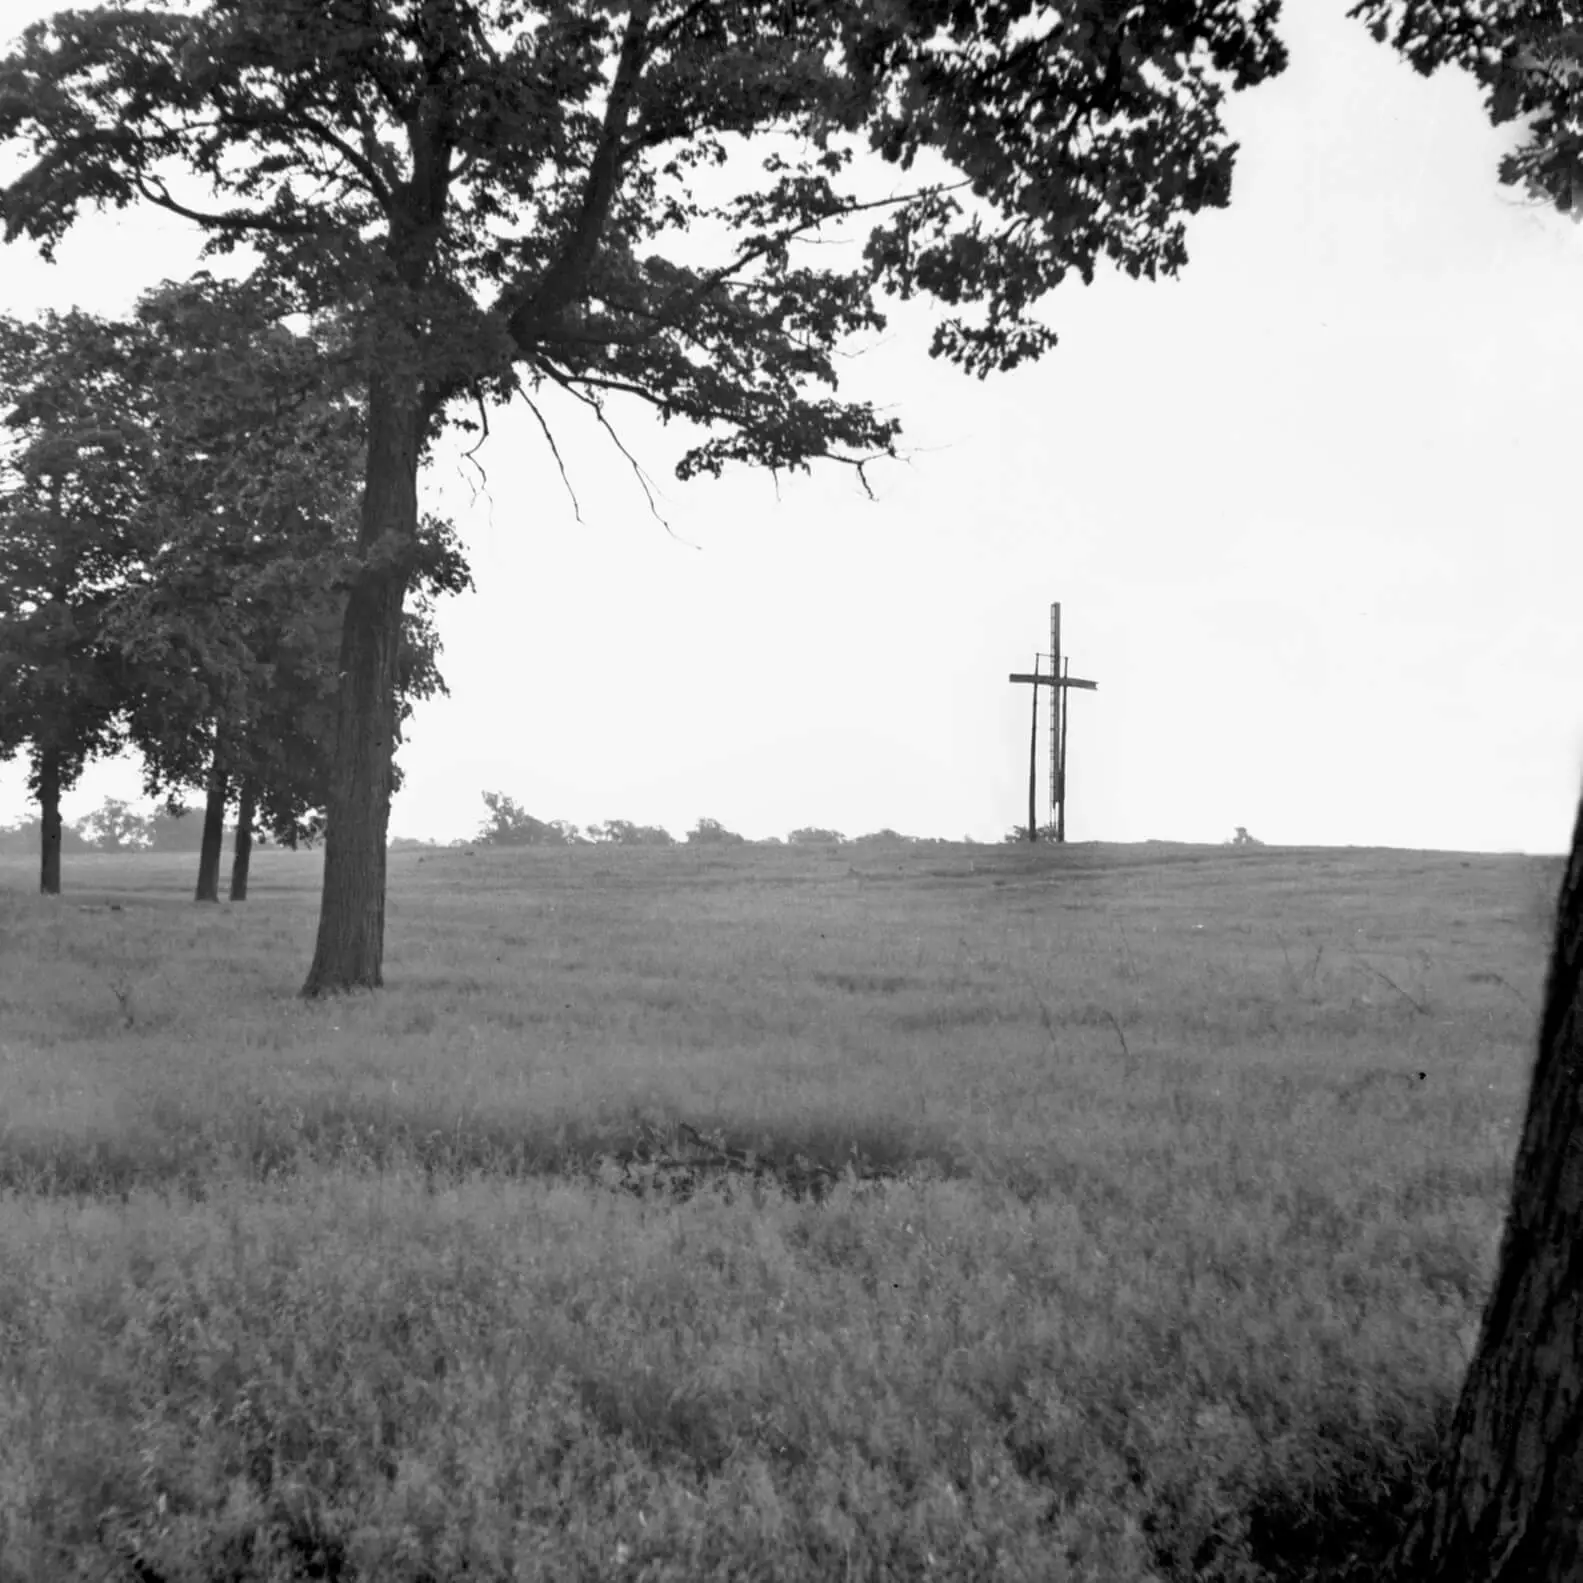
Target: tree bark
[
  {"x": 246, "y": 804},
  {"x": 1506, "y": 1503},
  {"x": 350, "y": 950},
  {"x": 215, "y": 799},
  {"x": 49, "y": 777}
]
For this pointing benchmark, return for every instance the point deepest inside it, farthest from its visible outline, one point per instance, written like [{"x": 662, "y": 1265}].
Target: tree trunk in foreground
[
  {"x": 1506, "y": 1505},
  {"x": 213, "y": 830},
  {"x": 242, "y": 855},
  {"x": 49, "y": 822},
  {"x": 351, "y": 944}
]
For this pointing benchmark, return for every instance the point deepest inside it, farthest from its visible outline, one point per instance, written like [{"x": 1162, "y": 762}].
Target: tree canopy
[{"x": 525, "y": 181}]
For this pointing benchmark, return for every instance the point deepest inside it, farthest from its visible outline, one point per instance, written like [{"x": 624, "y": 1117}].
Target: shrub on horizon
[{"x": 710, "y": 832}]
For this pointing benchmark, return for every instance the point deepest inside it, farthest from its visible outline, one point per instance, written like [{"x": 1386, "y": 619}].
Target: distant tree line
[
  {"x": 117, "y": 827},
  {"x": 508, "y": 824}
]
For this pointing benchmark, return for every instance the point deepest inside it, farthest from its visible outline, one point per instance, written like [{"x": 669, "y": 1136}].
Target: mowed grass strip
[{"x": 1161, "y": 1189}]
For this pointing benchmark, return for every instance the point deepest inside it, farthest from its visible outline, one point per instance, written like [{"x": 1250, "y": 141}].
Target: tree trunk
[
  {"x": 246, "y": 802},
  {"x": 1506, "y": 1504},
  {"x": 351, "y": 943},
  {"x": 213, "y": 829},
  {"x": 47, "y": 766}
]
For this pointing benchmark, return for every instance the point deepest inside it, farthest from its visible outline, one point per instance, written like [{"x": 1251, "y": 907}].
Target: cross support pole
[
  {"x": 1033, "y": 760},
  {"x": 1057, "y": 715}
]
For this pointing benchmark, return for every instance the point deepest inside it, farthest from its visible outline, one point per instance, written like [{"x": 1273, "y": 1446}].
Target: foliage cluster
[
  {"x": 510, "y": 825},
  {"x": 1019, "y": 832},
  {"x": 813, "y": 835},
  {"x": 710, "y": 832},
  {"x": 623, "y": 832}
]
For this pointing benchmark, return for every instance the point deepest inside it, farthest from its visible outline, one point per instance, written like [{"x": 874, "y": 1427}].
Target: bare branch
[
  {"x": 595, "y": 406},
  {"x": 362, "y": 163},
  {"x": 483, "y": 424},
  {"x": 699, "y": 412},
  {"x": 555, "y": 451}
]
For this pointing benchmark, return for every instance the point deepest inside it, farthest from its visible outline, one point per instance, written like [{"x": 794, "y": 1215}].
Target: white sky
[{"x": 1309, "y": 512}]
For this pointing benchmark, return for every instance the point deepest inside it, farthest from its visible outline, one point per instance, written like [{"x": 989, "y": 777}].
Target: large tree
[
  {"x": 70, "y": 439},
  {"x": 503, "y": 196},
  {"x": 1507, "y": 1499}
]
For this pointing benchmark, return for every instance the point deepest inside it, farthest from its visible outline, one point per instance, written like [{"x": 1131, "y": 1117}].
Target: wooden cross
[{"x": 1057, "y": 681}]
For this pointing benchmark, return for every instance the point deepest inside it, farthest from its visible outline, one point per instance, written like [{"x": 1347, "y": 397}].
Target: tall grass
[{"x": 1113, "y": 1213}]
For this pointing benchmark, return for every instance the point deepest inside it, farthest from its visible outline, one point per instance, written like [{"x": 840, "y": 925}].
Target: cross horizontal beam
[{"x": 1052, "y": 681}]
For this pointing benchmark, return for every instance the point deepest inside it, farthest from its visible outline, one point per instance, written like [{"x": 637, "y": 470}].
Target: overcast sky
[{"x": 1309, "y": 511}]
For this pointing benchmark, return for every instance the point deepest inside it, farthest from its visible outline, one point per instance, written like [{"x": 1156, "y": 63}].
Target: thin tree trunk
[
  {"x": 213, "y": 828},
  {"x": 246, "y": 803},
  {"x": 47, "y": 765},
  {"x": 1506, "y": 1504},
  {"x": 350, "y": 950}
]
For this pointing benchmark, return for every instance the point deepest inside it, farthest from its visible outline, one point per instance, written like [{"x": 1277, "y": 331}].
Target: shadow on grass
[
  {"x": 1344, "y": 1528},
  {"x": 170, "y": 1148}
]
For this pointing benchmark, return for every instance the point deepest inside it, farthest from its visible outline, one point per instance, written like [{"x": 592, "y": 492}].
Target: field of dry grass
[{"x": 1118, "y": 1213}]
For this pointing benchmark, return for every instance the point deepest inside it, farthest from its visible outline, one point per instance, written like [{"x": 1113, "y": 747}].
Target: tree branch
[
  {"x": 555, "y": 451},
  {"x": 671, "y": 317},
  {"x": 161, "y": 198},
  {"x": 363, "y": 163},
  {"x": 566, "y": 274},
  {"x": 597, "y": 408}
]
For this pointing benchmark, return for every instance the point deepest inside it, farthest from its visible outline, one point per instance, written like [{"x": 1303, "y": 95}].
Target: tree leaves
[
  {"x": 496, "y": 178},
  {"x": 70, "y": 440},
  {"x": 1528, "y": 57}
]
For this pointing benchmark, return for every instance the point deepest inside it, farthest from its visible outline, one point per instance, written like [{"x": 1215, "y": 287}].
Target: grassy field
[{"x": 1117, "y": 1213}]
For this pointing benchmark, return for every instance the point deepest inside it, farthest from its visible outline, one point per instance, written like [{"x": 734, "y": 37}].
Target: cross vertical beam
[{"x": 1060, "y": 754}]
